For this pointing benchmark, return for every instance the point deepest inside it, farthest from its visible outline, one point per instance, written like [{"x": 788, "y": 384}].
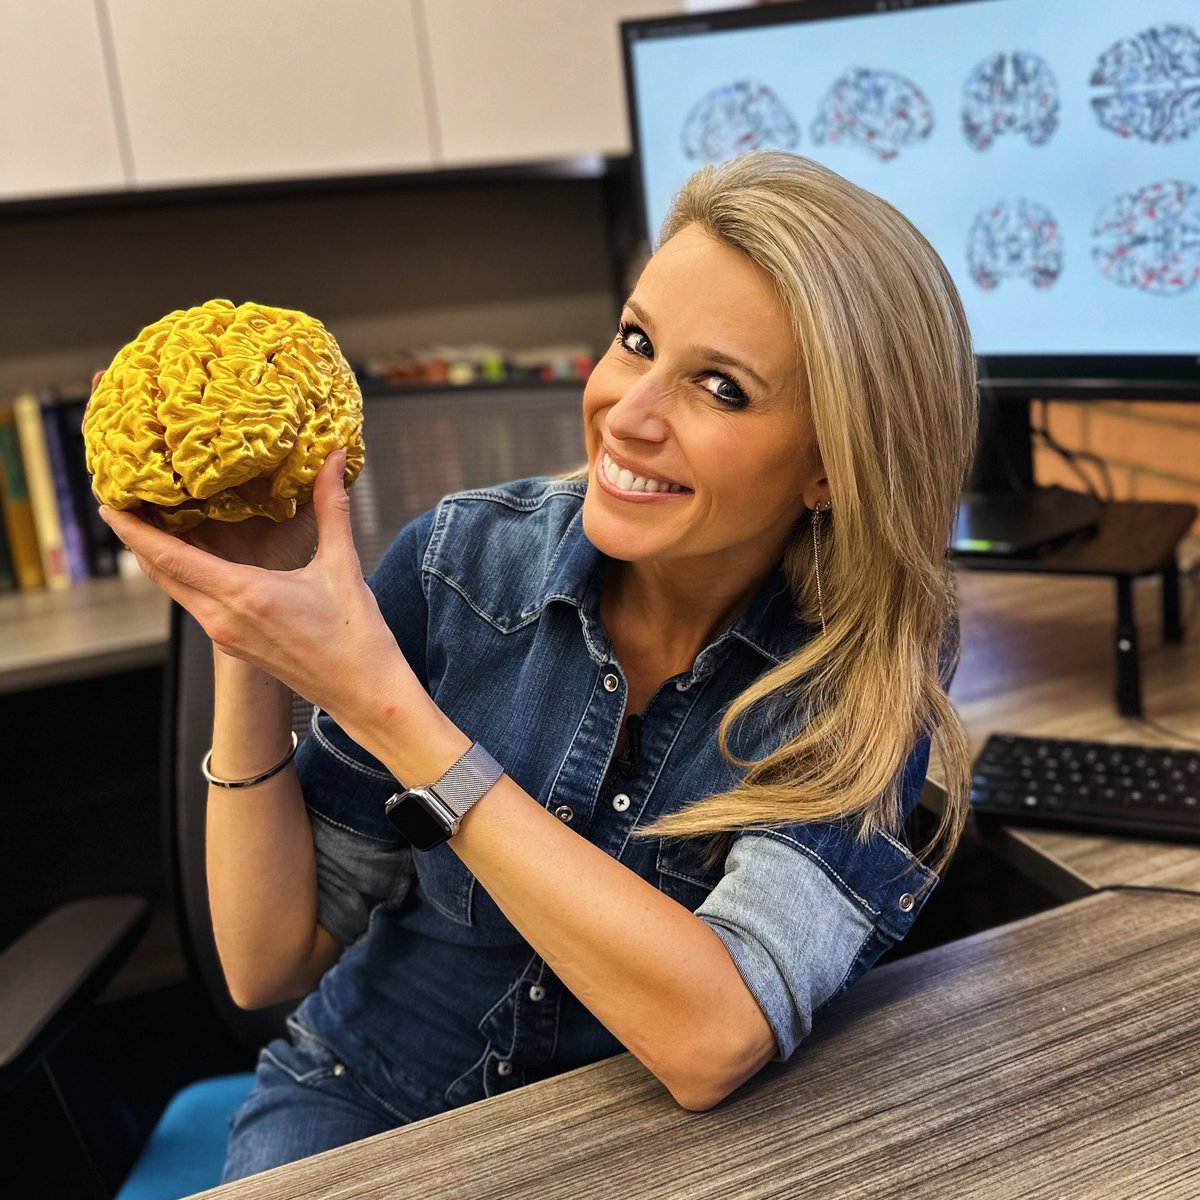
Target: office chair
[{"x": 419, "y": 447}]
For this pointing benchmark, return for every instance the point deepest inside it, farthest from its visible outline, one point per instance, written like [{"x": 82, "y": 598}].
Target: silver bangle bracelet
[{"x": 241, "y": 783}]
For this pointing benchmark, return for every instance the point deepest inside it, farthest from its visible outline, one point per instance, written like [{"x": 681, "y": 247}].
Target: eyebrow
[{"x": 717, "y": 356}]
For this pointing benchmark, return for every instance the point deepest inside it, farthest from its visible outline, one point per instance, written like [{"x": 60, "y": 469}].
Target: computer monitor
[{"x": 1048, "y": 149}]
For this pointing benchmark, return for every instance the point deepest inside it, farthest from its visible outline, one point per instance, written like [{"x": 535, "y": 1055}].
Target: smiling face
[{"x": 694, "y": 458}]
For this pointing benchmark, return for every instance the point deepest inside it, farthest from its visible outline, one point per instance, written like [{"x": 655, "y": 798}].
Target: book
[
  {"x": 100, "y": 543},
  {"x": 8, "y": 578},
  {"x": 18, "y": 512},
  {"x": 39, "y": 481},
  {"x": 69, "y": 517}
]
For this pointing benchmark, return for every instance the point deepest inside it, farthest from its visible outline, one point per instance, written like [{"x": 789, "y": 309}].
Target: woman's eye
[
  {"x": 732, "y": 397},
  {"x": 625, "y": 334}
]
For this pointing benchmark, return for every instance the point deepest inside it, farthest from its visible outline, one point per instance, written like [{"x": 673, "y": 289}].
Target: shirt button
[
  {"x": 906, "y": 902},
  {"x": 564, "y": 812},
  {"x": 504, "y": 1068},
  {"x": 611, "y": 682},
  {"x": 682, "y": 685},
  {"x": 537, "y": 992},
  {"x": 621, "y": 802}
]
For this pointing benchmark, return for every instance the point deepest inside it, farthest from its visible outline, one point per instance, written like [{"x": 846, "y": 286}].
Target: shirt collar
[{"x": 769, "y": 625}]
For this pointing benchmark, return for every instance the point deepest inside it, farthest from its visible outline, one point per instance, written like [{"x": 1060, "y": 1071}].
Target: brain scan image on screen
[
  {"x": 1150, "y": 239},
  {"x": 878, "y": 111},
  {"x": 1151, "y": 85},
  {"x": 1020, "y": 240},
  {"x": 736, "y": 118},
  {"x": 1010, "y": 93}
]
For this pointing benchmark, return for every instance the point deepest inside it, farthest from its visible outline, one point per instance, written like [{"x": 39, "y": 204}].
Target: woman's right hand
[{"x": 257, "y": 541}]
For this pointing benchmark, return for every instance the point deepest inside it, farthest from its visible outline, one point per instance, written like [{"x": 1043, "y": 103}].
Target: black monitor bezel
[{"x": 1101, "y": 376}]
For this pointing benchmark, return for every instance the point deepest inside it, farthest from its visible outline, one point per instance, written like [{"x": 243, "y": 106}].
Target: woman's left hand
[{"x": 318, "y": 629}]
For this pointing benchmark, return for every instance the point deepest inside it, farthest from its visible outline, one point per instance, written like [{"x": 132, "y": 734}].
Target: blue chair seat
[{"x": 186, "y": 1151}]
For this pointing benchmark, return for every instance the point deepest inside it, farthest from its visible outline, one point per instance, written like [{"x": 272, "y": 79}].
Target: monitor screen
[{"x": 1048, "y": 149}]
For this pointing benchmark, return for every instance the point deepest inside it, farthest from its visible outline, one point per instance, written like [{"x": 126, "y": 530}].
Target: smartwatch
[{"x": 428, "y": 816}]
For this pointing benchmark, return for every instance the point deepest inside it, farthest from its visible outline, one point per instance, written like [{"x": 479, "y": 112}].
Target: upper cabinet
[
  {"x": 58, "y": 134},
  {"x": 229, "y": 92},
  {"x": 109, "y": 95},
  {"x": 525, "y": 80}
]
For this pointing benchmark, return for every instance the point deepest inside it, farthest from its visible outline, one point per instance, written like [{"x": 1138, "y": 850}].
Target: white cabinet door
[
  {"x": 57, "y": 132},
  {"x": 527, "y": 80},
  {"x": 237, "y": 90}
]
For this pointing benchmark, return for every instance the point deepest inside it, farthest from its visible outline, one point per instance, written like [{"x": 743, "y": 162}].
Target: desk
[
  {"x": 1015, "y": 1062},
  {"x": 1134, "y": 539},
  {"x": 92, "y": 628},
  {"x": 1035, "y": 661}
]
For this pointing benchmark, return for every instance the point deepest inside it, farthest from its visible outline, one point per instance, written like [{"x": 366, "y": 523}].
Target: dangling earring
[{"x": 816, "y": 522}]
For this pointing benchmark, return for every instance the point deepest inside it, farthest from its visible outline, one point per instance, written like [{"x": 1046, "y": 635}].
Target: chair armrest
[{"x": 50, "y": 974}]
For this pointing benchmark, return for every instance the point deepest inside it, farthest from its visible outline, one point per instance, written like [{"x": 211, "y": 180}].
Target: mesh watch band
[{"x": 467, "y": 780}]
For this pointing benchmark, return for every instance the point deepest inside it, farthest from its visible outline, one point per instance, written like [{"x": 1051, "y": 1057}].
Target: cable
[
  {"x": 1069, "y": 456},
  {"x": 1158, "y": 727},
  {"x": 1069, "y": 459},
  {"x": 1146, "y": 887},
  {"x": 1086, "y": 455}
]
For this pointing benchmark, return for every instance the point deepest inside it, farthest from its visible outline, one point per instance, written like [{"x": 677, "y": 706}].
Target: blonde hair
[{"x": 888, "y": 372}]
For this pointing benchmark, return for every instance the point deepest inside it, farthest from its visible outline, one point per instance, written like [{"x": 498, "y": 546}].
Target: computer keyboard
[{"x": 1090, "y": 787}]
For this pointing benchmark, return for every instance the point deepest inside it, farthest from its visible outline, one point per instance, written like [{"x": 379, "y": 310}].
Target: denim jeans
[{"x": 304, "y": 1101}]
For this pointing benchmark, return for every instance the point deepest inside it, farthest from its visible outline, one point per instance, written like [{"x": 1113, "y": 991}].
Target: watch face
[{"x": 409, "y": 814}]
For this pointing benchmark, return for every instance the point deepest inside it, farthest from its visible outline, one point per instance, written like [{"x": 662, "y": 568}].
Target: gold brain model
[{"x": 222, "y": 412}]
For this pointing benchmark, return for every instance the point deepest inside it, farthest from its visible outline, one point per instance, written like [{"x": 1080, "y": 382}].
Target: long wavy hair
[{"x": 888, "y": 371}]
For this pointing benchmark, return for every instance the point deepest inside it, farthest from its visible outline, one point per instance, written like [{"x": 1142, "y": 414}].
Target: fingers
[
  {"x": 166, "y": 560},
  {"x": 99, "y": 375},
  {"x": 331, "y": 505}
]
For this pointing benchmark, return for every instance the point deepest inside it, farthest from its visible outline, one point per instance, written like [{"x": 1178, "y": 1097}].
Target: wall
[
  {"x": 1152, "y": 449},
  {"x": 519, "y": 264}
]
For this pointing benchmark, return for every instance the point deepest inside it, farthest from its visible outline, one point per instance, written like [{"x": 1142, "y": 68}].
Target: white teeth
[{"x": 627, "y": 481}]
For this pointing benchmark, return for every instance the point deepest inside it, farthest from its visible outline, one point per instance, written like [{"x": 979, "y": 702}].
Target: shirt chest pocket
[
  {"x": 445, "y": 882},
  {"x": 454, "y": 891},
  {"x": 682, "y": 874}
]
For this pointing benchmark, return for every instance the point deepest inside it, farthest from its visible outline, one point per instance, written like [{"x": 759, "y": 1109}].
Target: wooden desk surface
[
  {"x": 1018, "y": 1062},
  {"x": 91, "y": 628},
  {"x": 1037, "y": 659}
]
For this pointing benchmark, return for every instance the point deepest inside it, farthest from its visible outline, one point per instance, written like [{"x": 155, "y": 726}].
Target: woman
[{"x": 710, "y": 670}]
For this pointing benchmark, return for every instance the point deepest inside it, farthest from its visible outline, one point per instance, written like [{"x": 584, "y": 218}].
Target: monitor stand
[
  {"x": 1023, "y": 524},
  {"x": 1003, "y": 513}
]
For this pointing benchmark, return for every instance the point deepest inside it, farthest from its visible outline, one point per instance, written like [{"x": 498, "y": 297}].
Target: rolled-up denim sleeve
[
  {"x": 804, "y": 911},
  {"x": 354, "y": 874},
  {"x": 790, "y": 931}
]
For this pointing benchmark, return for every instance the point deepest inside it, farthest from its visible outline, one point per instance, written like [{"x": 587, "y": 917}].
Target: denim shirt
[{"x": 493, "y": 596}]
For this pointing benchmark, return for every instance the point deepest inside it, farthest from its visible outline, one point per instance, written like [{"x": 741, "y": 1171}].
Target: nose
[{"x": 640, "y": 413}]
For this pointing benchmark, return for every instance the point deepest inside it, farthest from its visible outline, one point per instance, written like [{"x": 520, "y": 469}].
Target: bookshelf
[
  {"x": 422, "y": 442},
  {"x": 95, "y": 627}
]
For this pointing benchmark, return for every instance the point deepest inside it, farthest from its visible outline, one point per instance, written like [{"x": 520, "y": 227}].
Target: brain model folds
[
  {"x": 736, "y": 118},
  {"x": 1152, "y": 83},
  {"x": 222, "y": 412},
  {"x": 1018, "y": 240},
  {"x": 1150, "y": 239},
  {"x": 1010, "y": 94},
  {"x": 878, "y": 111}
]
